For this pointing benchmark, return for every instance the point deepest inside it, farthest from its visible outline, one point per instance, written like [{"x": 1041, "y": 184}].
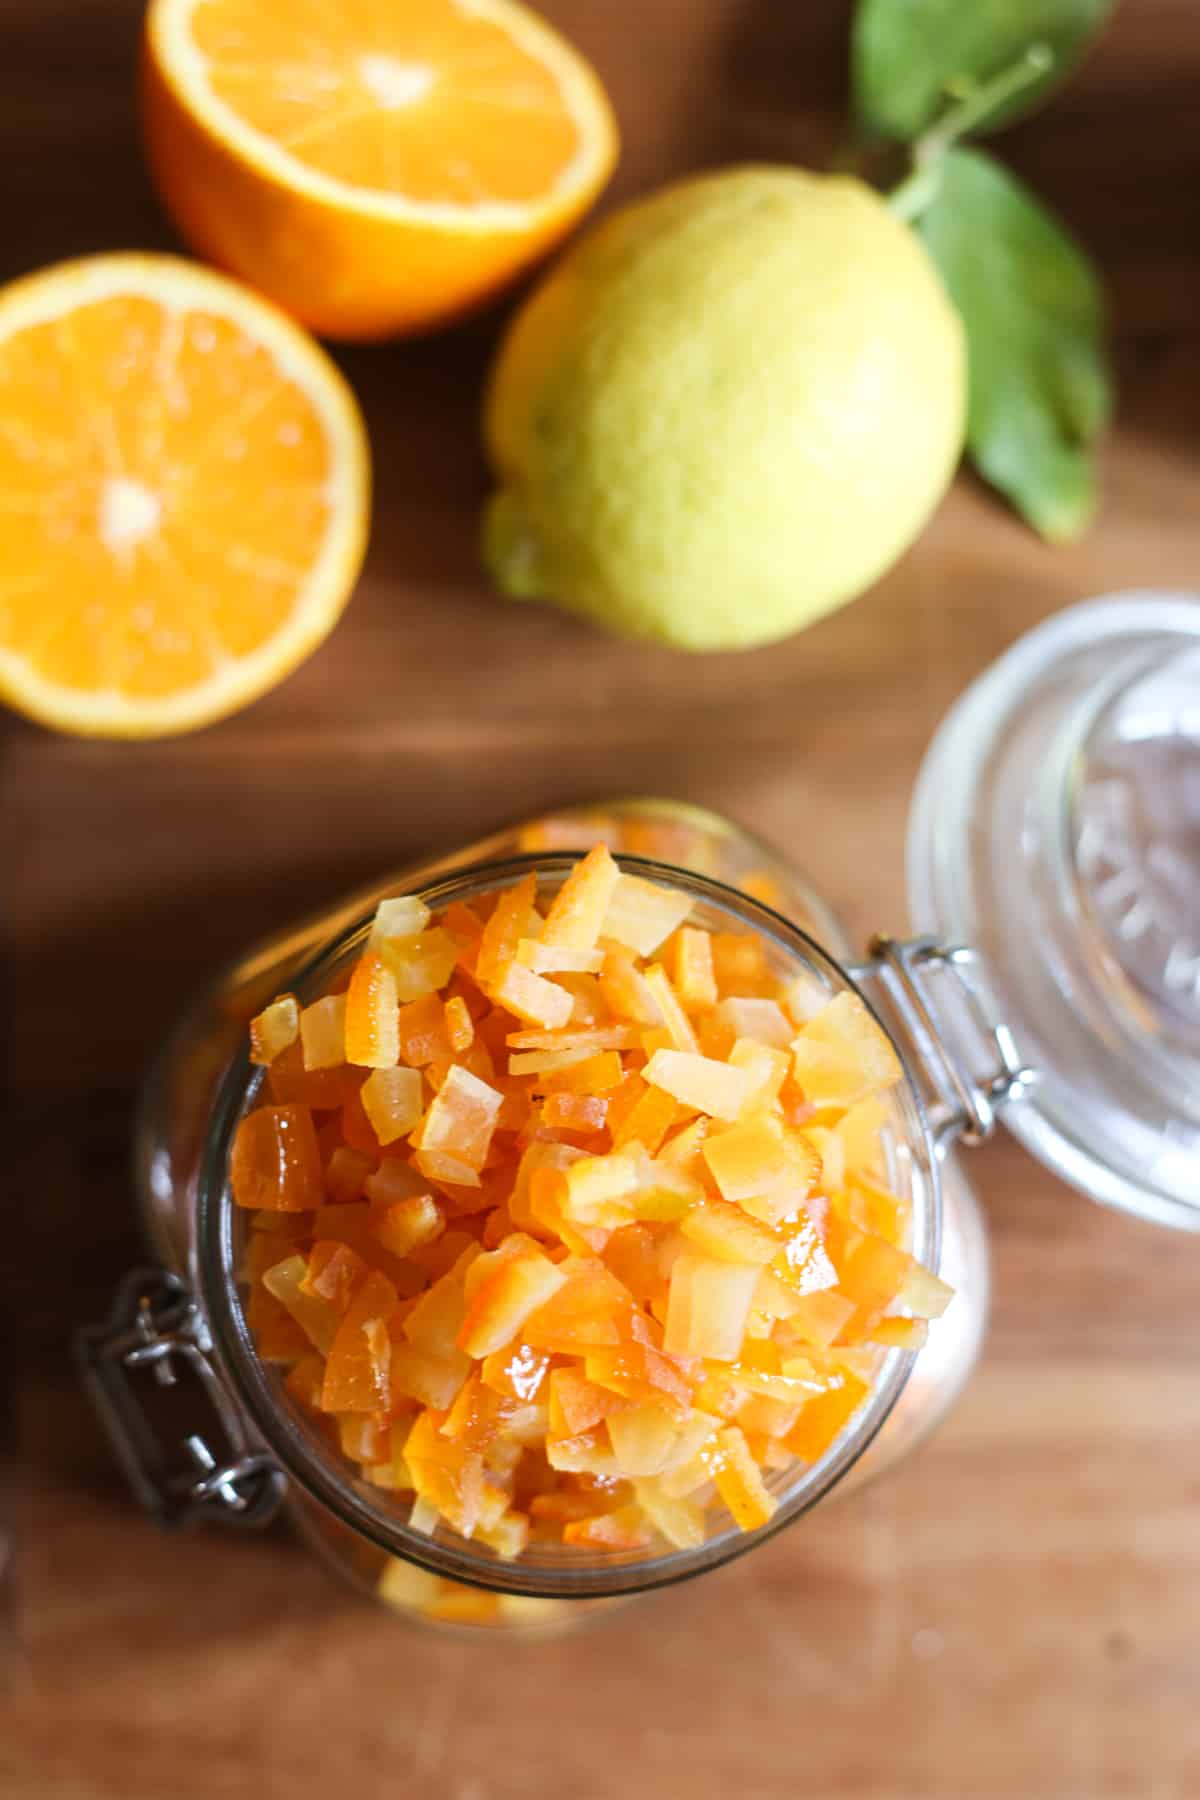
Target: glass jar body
[{"x": 176, "y": 1122}]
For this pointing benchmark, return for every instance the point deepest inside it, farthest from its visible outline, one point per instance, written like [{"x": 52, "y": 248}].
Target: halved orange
[
  {"x": 375, "y": 166},
  {"x": 184, "y": 495}
]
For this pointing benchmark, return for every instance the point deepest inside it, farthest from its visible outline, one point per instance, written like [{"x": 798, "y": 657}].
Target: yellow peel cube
[
  {"x": 594, "y": 1182},
  {"x": 393, "y": 1100},
  {"x": 315, "y": 1317},
  {"x": 707, "y": 1306},
  {"x": 422, "y": 964},
  {"x": 402, "y": 917},
  {"x": 695, "y": 981},
  {"x": 803, "y": 997},
  {"x": 683, "y": 1151},
  {"x": 532, "y": 997},
  {"x": 829, "y": 1074},
  {"x": 558, "y": 959},
  {"x": 407, "y": 1224},
  {"x": 461, "y": 1118},
  {"x": 433, "y": 1380},
  {"x": 770, "y": 1069},
  {"x": 711, "y": 1087},
  {"x": 926, "y": 1295},
  {"x": 643, "y": 915},
  {"x": 275, "y": 1029},
  {"x": 323, "y": 1033},
  {"x": 643, "y": 1438},
  {"x": 859, "y": 1130},
  {"x": 762, "y": 1020},
  {"x": 720, "y": 1229},
  {"x": 445, "y": 1169},
  {"x": 679, "y": 1520},
  {"x": 755, "y": 1156},
  {"x": 845, "y": 1026}
]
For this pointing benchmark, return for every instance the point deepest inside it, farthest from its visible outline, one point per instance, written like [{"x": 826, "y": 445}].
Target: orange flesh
[
  {"x": 132, "y": 432},
  {"x": 553, "y": 1282},
  {"x": 424, "y": 100}
]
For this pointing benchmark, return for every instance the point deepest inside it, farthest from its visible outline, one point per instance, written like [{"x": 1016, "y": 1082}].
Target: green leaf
[
  {"x": 912, "y": 57},
  {"x": 1039, "y": 385}
]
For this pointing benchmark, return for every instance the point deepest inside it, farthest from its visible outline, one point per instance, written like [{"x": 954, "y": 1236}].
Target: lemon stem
[{"x": 920, "y": 185}]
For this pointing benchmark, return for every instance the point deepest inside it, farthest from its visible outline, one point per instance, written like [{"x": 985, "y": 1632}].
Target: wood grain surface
[{"x": 1015, "y": 1615}]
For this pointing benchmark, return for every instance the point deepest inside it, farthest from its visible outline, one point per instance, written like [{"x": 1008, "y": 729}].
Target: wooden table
[{"x": 1014, "y": 1616}]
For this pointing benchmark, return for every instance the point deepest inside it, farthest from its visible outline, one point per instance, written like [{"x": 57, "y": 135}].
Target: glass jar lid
[{"x": 1056, "y": 829}]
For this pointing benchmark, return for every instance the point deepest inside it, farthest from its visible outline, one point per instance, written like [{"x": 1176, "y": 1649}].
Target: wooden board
[{"x": 1013, "y": 1616}]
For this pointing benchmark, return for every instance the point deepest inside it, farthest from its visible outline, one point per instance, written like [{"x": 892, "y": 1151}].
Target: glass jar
[
  {"x": 943, "y": 1008},
  {"x": 203, "y": 1084}
]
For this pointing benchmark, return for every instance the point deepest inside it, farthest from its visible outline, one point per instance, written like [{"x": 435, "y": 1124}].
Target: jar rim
[{"x": 330, "y": 1482}]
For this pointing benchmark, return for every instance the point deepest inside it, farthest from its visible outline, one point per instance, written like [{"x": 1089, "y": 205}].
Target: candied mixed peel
[{"x": 569, "y": 1218}]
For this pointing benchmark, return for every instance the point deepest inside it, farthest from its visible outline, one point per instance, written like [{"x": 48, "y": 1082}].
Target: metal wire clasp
[
  {"x": 967, "y": 1059},
  {"x": 156, "y": 1326}
]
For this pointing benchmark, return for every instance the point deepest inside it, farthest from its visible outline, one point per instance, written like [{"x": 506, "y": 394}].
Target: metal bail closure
[
  {"x": 155, "y": 1326},
  {"x": 962, "y": 1054}
]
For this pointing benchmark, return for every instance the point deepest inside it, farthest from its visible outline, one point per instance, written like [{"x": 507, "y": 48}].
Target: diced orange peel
[
  {"x": 567, "y": 1241},
  {"x": 719, "y": 1228},
  {"x": 275, "y": 1029},
  {"x": 678, "y": 1026},
  {"x": 578, "y": 910},
  {"x": 759, "y": 1156},
  {"x": 405, "y": 1225},
  {"x": 504, "y": 1300},
  {"x": 642, "y": 914},
  {"x": 461, "y": 1118},
  {"x": 700, "y": 1082},
  {"x": 393, "y": 1100},
  {"x": 558, "y": 958},
  {"x": 460, "y": 1027},
  {"x": 315, "y": 1316},
  {"x": 739, "y": 1481},
  {"x": 422, "y": 1032},
  {"x": 421, "y": 964},
  {"x": 372, "y": 1006},
  {"x": 402, "y": 916},
  {"x": 334, "y": 1271},
  {"x": 692, "y": 968},
  {"x": 276, "y": 1162},
  {"x": 625, "y": 989},
  {"x": 323, "y": 1033},
  {"x": 512, "y": 920},
  {"x": 532, "y": 997},
  {"x": 356, "y": 1374}
]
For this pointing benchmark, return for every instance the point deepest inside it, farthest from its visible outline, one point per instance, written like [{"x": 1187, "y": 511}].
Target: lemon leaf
[
  {"x": 1039, "y": 388},
  {"x": 910, "y": 58}
]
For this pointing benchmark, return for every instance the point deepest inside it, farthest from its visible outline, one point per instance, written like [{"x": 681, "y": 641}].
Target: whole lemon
[{"x": 726, "y": 410}]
